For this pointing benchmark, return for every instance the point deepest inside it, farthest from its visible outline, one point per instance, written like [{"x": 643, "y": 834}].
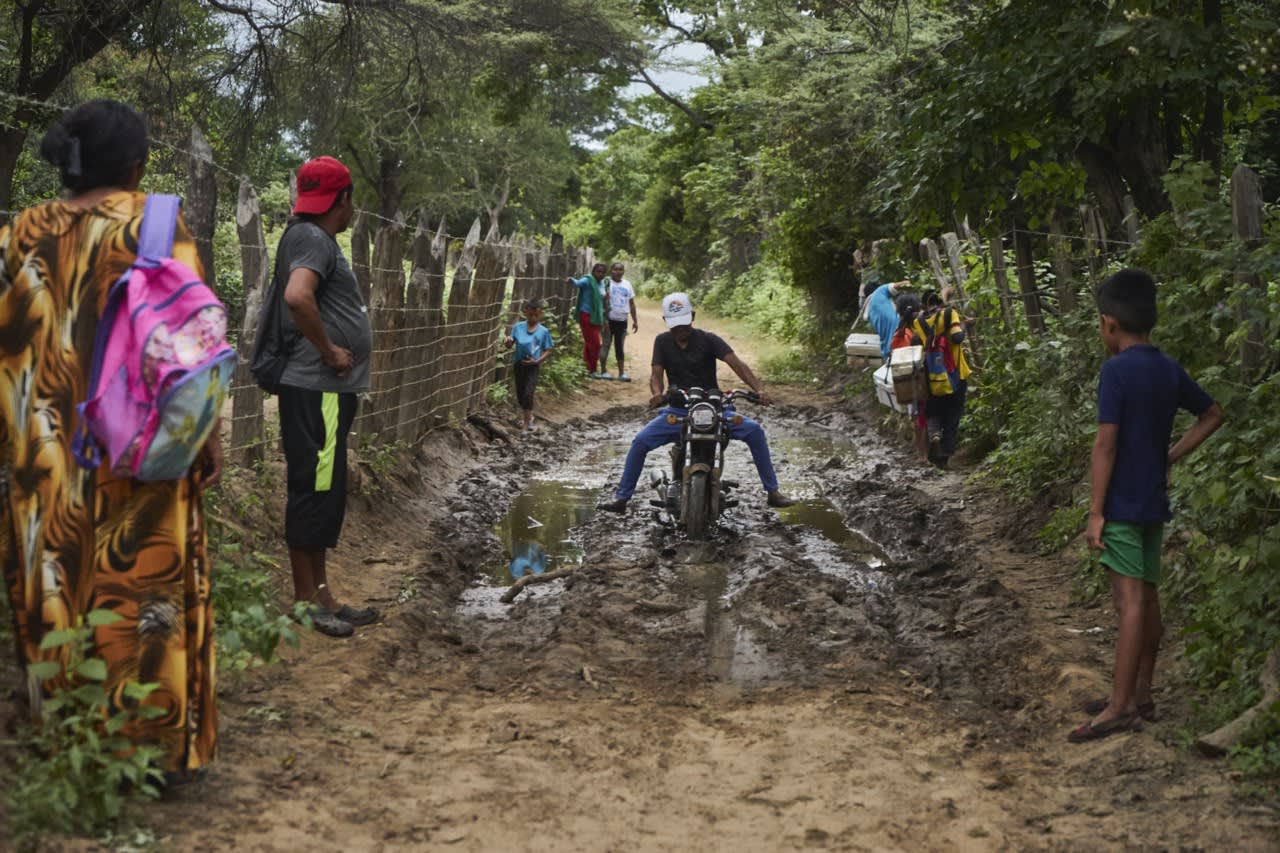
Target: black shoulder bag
[{"x": 273, "y": 344}]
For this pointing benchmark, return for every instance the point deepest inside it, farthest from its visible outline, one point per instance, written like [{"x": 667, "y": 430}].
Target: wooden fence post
[
  {"x": 560, "y": 300},
  {"x": 1060, "y": 255},
  {"x": 1130, "y": 219},
  {"x": 951, "y": 245},
  {"x": 200, "y": 206},
  {"x": 433, "y": 361},
  {"x": 246, "y": 400},
  {"x": 1001, "y": 274},
  {"x": 386, "y": 310},
  {"x": 414, "y": 334},
  {"x": 360, "y": 254},
  {"x": 454, "y": 375},
  {"x": 1095, "y": 242},
  {"x": 930, "y": 250},
  {"x": 487, "y": 310},
  {"x": 1246, "y": 218},
  {"x": 1024, "y": 259}
]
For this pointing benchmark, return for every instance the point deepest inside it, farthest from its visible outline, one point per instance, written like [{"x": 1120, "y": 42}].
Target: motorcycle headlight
[{"x": 702, "y": 416}]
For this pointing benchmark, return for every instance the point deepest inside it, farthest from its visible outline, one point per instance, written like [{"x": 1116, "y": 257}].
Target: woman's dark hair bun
[{"x": 97, "y": 144}]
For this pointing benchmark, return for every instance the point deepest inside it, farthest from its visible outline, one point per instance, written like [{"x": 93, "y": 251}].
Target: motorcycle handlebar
[{"x": 680, "y": 398}]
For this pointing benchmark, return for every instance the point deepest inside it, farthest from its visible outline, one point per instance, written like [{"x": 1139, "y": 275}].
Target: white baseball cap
[{"x": 677, "y": 310}]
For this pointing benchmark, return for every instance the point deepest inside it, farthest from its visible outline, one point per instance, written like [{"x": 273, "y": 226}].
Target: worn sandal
[
  {"x": 1088, "y": 732},
  {"x": 361, "y": 617},
  {"x": 1146, "y": 710},
  {"x": 328, "y": 623}
]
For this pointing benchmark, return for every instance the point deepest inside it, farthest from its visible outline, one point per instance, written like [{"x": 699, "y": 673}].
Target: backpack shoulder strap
[{"x": 159, "y": 222}]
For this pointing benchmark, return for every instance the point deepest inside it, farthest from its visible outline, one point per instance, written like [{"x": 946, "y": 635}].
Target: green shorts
[{"x": 1133, "y": 550}]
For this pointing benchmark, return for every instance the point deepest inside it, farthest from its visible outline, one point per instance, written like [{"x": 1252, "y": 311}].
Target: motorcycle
[{"x": 696, "y": 493}]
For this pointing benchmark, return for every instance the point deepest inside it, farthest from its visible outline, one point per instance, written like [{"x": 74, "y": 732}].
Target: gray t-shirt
[{"x": 342, "y": 310}]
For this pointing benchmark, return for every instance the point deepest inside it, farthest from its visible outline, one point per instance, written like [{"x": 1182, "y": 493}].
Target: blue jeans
[{"x": 658, "y": 432}]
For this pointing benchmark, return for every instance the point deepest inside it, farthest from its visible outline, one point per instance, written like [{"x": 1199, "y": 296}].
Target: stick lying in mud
[
  {"x": 529, "y": 580},
  {"x": 490, "y": 428},
  {"x": 1219, "y": 742}
]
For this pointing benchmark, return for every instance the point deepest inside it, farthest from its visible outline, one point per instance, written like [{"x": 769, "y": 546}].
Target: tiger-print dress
[{"x": 72, "y": 540}]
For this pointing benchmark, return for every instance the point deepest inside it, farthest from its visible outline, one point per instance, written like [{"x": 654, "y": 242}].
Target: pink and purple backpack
[{"x": 161, "y": 362}]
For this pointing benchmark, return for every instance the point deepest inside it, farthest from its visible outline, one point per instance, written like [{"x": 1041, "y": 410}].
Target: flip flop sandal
[
  {"x": 1088, "y": 732},
  {"x": 1146, "y": 710},
  {"x": 359, "y": 618}
]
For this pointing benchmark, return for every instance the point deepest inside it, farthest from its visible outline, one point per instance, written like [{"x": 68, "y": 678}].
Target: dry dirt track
[{"x": 748, "y": 695}]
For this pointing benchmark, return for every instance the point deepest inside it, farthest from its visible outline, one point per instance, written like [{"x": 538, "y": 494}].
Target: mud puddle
[{"x": 775, "y": 596}]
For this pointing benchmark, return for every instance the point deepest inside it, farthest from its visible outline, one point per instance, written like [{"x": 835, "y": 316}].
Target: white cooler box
[
  {"x": 885, "y": 393},
  {"x": 862, "y": 349}
]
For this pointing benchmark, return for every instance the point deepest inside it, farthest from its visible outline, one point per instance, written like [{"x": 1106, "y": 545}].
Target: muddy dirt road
[{"x": 874, "y": 669}]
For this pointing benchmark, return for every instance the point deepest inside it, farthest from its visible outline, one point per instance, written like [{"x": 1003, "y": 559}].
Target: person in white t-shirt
[{"x": 620, "y": 301}]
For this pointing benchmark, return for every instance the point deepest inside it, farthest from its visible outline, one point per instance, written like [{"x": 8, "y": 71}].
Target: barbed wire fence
[{"x": 437, "y": 305}]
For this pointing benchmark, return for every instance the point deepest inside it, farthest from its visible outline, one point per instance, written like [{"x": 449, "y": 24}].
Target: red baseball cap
[{"x": 319, "y": 182}]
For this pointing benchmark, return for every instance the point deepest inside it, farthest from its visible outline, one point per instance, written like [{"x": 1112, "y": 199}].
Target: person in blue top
[
  {"x": 1139, "y": 392},
  {"x": 882, "y": 310},
  {"x": 591, "y": 290},
  {"x": 533, "y": 346}
]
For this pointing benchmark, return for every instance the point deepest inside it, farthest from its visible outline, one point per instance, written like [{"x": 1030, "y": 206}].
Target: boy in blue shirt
[
  {"x": 1139, "y": 392},
  {"x": 533, "y": 346}
]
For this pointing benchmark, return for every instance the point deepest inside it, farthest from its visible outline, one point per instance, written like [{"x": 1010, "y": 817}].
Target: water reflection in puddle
[
  {"x": 818, "y": 514},
  {"x": 535, "y": 531}
]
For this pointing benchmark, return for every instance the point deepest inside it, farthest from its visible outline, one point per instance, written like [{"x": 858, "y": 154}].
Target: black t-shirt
[{"x": 693, "y": 366}]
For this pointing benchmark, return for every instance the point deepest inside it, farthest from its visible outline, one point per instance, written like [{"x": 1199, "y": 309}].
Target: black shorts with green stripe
[{"x": 313, "y": 428}]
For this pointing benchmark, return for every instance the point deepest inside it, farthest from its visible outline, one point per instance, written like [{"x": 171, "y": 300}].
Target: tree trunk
[
  {"x": 1247, "y": 215},
  {"x": 1105, "y": 183},
  {"x": 389, "y": 189},
  {"x": 1140, "y": 151},
  {"x": 1209, "y": 139},
  {"x": 1061, "y": 259},
  {"x": 1025, "y": 261},
  {"x": 11, "y": 141}
]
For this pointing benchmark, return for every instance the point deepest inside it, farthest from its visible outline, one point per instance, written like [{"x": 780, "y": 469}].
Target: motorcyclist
[{"x": 686, "y": 357}]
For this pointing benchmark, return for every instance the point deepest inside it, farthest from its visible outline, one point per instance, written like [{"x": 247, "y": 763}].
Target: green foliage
[
  {"x": 499, "y": 394},
  {"x": 1065, "y": 524},
  {"x": 658, "y": 284},
  {"x": 1037, "y": 397},
  {"x": 228, "y": 283},
  {"x": 249, "y": 624},
  {"x": 564, "y": 372},
  {"x": 1259, "y": 756},
  {"x": 381, "y": 458},
  {"x": 762, "y": 297},
  {"x": 80, "y": 771},
  {"x": 580, "y": 227}
]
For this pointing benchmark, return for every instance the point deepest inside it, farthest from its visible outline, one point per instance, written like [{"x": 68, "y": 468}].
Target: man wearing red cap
[{"x": 328, "y": 367}]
